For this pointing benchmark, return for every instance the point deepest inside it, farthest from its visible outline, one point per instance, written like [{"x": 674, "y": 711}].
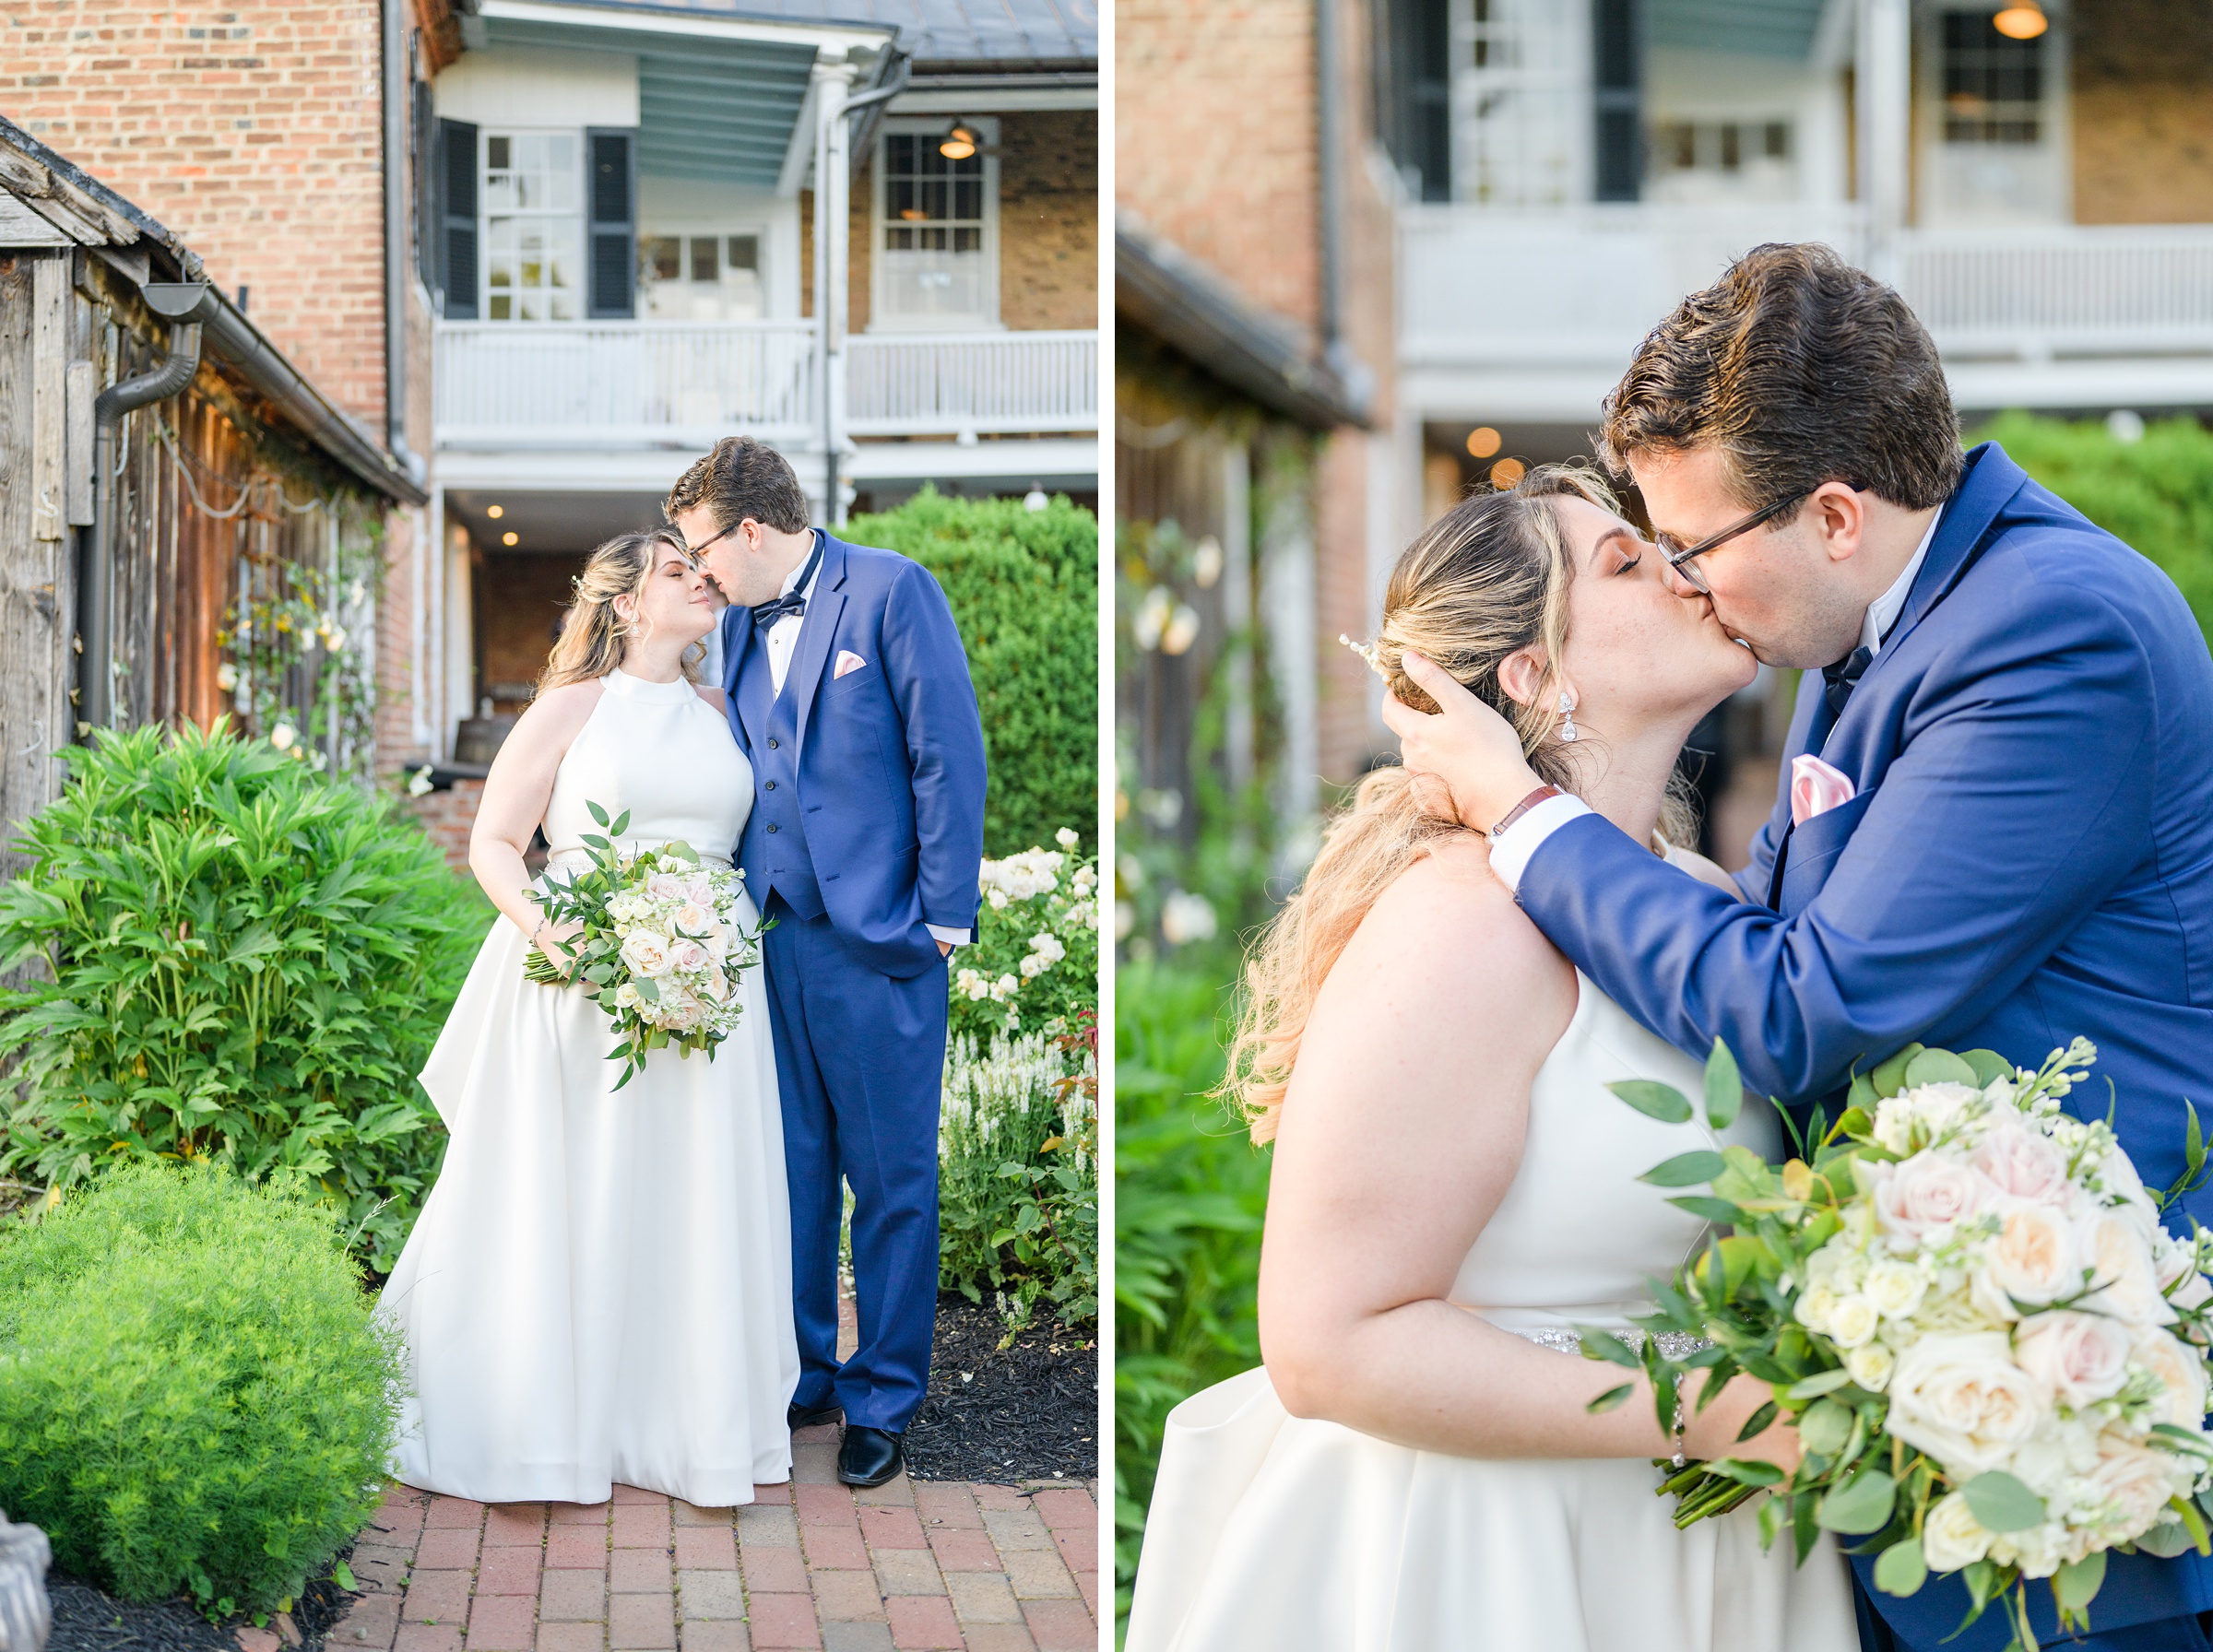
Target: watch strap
[{"x": 1522, "y": 808}]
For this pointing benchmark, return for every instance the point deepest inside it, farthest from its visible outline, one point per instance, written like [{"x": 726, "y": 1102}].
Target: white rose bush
[
  {"x": 661, "y": 947},
  {"x": 1034, "y": 965},
  {"x": 1992, "y": 1350}
]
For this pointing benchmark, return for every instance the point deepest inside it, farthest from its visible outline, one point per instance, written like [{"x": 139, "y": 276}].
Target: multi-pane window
[
  {"x": 533, "y": 227},
  {"x": 1521, "y": 103},
  {"x": 1994, "y": 86},
  {"x": 935, "y": 224},
  {"x": 701, "y": 278}
]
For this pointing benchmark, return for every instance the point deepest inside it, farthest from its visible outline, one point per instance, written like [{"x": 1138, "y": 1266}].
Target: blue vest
[{"x": 786, "y": 866}]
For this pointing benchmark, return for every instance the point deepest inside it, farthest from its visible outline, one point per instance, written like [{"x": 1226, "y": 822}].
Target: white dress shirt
[
  {"x": 782, "y": 641},
  {"x": 1511, "y": 850}
]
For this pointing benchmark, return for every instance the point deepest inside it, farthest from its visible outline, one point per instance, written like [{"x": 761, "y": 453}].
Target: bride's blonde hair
[
  {"x": 591, "y": 641},
  {"x": 1486, "y": 580}
]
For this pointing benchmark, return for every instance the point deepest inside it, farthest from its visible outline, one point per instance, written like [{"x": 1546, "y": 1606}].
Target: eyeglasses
[
  {"x": 1679, "y": 555},
  {"x": 696, "y": 552}
]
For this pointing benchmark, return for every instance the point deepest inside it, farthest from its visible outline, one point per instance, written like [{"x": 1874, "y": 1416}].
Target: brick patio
[{"x": 812, "y": 1564}]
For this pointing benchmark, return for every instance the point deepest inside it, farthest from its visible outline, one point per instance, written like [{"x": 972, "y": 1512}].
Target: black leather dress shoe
[
  {"x": 797, "y": 1416},
  {"x": 869, "y": 1455}
]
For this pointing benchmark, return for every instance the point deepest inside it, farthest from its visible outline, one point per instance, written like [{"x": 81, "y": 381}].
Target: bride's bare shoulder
[{"x": 1448, "y": 913}]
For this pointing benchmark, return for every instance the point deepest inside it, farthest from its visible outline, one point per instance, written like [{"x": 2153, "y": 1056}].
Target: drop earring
[{"x": 1568, "y": 732}]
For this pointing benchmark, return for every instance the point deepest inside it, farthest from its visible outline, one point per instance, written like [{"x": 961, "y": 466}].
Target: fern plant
[{"x": 245, "y": 963}]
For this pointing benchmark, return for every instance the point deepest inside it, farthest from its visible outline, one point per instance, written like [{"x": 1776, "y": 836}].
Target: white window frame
[
  {"x": 775, "y": 302},
  {"x": 1938, "y": 205},
  {"x": 579, "y": 214},
  {"x": 987, "y": 128}
]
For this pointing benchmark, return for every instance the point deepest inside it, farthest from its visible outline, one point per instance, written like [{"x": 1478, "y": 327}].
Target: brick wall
[
  {"x": 448, "y": 817},
  {"x": 253, "y": 131},
  {"x": 2143, "y": 112},
  {"x": 1214, "y": 138}
]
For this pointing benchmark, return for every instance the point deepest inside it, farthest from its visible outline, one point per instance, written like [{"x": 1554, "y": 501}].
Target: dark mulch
[
  {"x": 86, "y": 1618},
  {"x": 1031, "y": 1412}
]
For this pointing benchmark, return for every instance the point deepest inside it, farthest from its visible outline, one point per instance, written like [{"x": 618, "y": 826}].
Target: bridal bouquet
[
  {"x": 1994, "y": 1354},
  {"x": 661, "y": 949}
]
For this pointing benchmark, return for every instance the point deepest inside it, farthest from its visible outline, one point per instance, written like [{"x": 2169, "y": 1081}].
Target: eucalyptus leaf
[
  {"x": 2075, "y": 1585},
  {"x": 1826, "y": 1426},
  {"x": 1988, "y": 1065},
  {"x": 1889, "y": 1077},
  {"x": 2001, "y": 1503},
  {"x": 1902, "y": 1569},
  {"x": 1725, "y": 1087},
  {"x": 1662, "y": 1101},
  {"x": 1939, "y": 1067},
  {"x": 1685, "y": 1170},
  {"x": 1710, "y": 1210},
  {"x": 1860, "y": 1505},
  {"x": 1611, "y": 1399},
  {"x": 1820, "y": 1383},
  {"x": 1747, "y": 1472}
]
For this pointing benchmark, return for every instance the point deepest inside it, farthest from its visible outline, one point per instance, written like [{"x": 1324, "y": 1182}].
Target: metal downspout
[
  {"x": 96, "y": 673},
  {"x": 1329, "y": 143},
  {"x": 398, "y": 83}
]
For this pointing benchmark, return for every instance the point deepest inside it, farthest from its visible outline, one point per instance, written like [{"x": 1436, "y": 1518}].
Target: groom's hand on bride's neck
[{"x": 1464, "y": 746}]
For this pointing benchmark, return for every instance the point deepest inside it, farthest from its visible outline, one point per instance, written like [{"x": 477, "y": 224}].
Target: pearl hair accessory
[{"x": 1366, "y": 651}]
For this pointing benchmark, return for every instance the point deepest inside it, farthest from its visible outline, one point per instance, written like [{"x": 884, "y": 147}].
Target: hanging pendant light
[
  {"x": 2022, "y": 21},
  {"x": 960, "y": 143}
]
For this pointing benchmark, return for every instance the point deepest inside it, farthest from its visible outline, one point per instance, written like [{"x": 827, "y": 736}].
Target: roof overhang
[
  {"x": 999, "y": 92},
  {"x": 1194, "y": 311}
]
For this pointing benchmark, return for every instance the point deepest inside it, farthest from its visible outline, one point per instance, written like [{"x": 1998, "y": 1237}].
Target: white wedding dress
[
  {"x": 1268, "y": 1533},
  {"x": 598, "y": 1290}
]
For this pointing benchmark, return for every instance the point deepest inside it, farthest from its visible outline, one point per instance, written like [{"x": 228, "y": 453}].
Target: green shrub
[
  {"x": 193, "y": 1397},
  {"x": 2155, "y": 493},
  {"x": 247, "y": 963},
  {"x": 1018, "y": 1172},
  {"x": 1189, "y": 1193},
  {"x": 1024, "y": 590},
  {"x": 1035, "y": 963}
]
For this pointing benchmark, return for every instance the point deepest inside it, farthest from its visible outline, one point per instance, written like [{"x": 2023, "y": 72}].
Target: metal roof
[
  {"x": 946, "y": 31},
  {"x": 1782, "y": 29}
]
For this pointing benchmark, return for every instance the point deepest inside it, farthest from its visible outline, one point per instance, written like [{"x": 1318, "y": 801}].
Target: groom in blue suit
[
  {"x": 848, "y": 691},
  {"x": 2023, "y": 709}
]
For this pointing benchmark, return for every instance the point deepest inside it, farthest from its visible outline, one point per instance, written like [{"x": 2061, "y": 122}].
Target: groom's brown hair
[
  {"x": 1798, "y": 369},
  {"x": 742, "y": 478}
]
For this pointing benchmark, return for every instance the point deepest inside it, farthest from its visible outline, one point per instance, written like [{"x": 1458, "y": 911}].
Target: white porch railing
[
  {"x": 1491, "y": 290},
  {"x": 627, "y": 383},
  {"x": 2069, "y": 290},
  {"x": 968, "y": 383}
]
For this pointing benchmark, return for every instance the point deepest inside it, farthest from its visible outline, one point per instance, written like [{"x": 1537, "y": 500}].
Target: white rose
[
  {"x": 1032, "y": 966},
  {"x": 2034, "y": 1258},
  {"x": 998, "y": 900},
  {"x": 689, "y": 956},
  {"x": 2052, "y": 1461},
  {"x": 1870, "y": 1366},
  {"x": 1851, "y": 1323},
  {"x": 2135, "y": 1482},
  {"x": 2121, "y": 1260},
  {"x": 668, "y": 886},
  {"x": 645, "y": 952},
  {"x": 692, "y": 918},
  {"x": 1951, "y": 1537},
  {"x": 1007, "y": 984},
  {"x": 685, "y": 1014},
  {"x": 2040, "y": 1551},
  {"x": 718, "y": 986},
  {"x": 1926, "y": 1194},
  {"x": 2019, "y": 1161},
  {"x": 1896, "y": 1289},
  {"x": 2182, "y": 1374},
  {"x": 2082, "y": 1358},
  {"x": 226, "y": 677},
  {"x": 1065, "y": 837},
  {"x": 1962, "y": 1398},
  {"x": 626, "y": 995},
  {"x": 1815, "y": 1307},
  {"x": 282, "y": 736}
]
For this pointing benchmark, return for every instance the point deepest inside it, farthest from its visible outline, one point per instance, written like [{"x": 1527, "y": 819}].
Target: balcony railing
[
  {"x": 615, "y": 384},
  {"x": 1487, "y": 289},
  {"x": 687, "y": 383},
  {"x": 970, "y": 383}
]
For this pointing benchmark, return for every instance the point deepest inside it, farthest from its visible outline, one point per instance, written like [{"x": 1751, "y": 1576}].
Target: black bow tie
[
  {"x": 793, "y": 601},
  {"x": 1843, "y": 676}
]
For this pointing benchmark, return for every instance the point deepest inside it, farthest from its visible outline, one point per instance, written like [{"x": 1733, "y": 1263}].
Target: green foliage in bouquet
[
  {"x": 1024, "y": 590},
  {"x": 245, "y": 963},
  {"x": 193, "y": 1395},
  {"x": 1768, "y": 1300},
  {"x": 1189, "y": 1194},
  {"x": 1035, "y": 963},
  {"x": 1018, "y": 1174}
]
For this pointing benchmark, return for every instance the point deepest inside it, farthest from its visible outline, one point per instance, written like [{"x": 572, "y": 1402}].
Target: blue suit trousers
[{"x": 861, "y": 1058}]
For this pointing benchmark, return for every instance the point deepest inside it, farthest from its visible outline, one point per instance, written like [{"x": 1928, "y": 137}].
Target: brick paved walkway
[{"x": 813, "y": 1564}]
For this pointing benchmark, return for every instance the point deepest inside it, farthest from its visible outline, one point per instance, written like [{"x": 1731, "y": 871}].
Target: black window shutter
[
  {"x": 423, "y": 157},
  {"x": 612, "y": 190},
  {"x": 458, "y": 218},
  {"x": 1617, "y": 88}
]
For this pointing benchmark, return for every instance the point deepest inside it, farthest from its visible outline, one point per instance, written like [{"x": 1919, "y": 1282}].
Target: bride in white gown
[
  {"x": 1415, "y": 1467},
  {"x": 599, "y": 1289}
]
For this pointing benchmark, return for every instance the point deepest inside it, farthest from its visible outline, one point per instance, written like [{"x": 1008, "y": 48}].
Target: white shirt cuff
[
  {"x": 1511, "y": 851},
  {"x": 951, "y": 938}
]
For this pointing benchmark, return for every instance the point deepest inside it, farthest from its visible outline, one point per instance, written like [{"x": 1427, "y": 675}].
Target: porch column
[
  {"x": 832, "y": 260},
  {"x": 1883, "y": 91}
]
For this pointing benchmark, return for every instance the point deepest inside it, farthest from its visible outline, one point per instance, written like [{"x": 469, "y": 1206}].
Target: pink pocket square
[
  {"x": 846, "y": 661},
  {"x": 1816, "y": 788}
]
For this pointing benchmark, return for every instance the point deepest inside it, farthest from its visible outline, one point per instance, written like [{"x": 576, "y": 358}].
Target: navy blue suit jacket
[
  {"x": 2028, "y": 857},
  {"x": 890, "y": 771}
]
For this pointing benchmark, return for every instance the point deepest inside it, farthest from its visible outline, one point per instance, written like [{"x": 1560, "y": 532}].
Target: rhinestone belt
[{"x": 1674, "y": 1344}]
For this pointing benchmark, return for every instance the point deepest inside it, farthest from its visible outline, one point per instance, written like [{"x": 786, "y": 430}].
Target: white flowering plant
[
  {"x": 1993, "y": 1349},
  {"x": 1035, "y": 963},
  {"x": 660, "y": 948}
]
